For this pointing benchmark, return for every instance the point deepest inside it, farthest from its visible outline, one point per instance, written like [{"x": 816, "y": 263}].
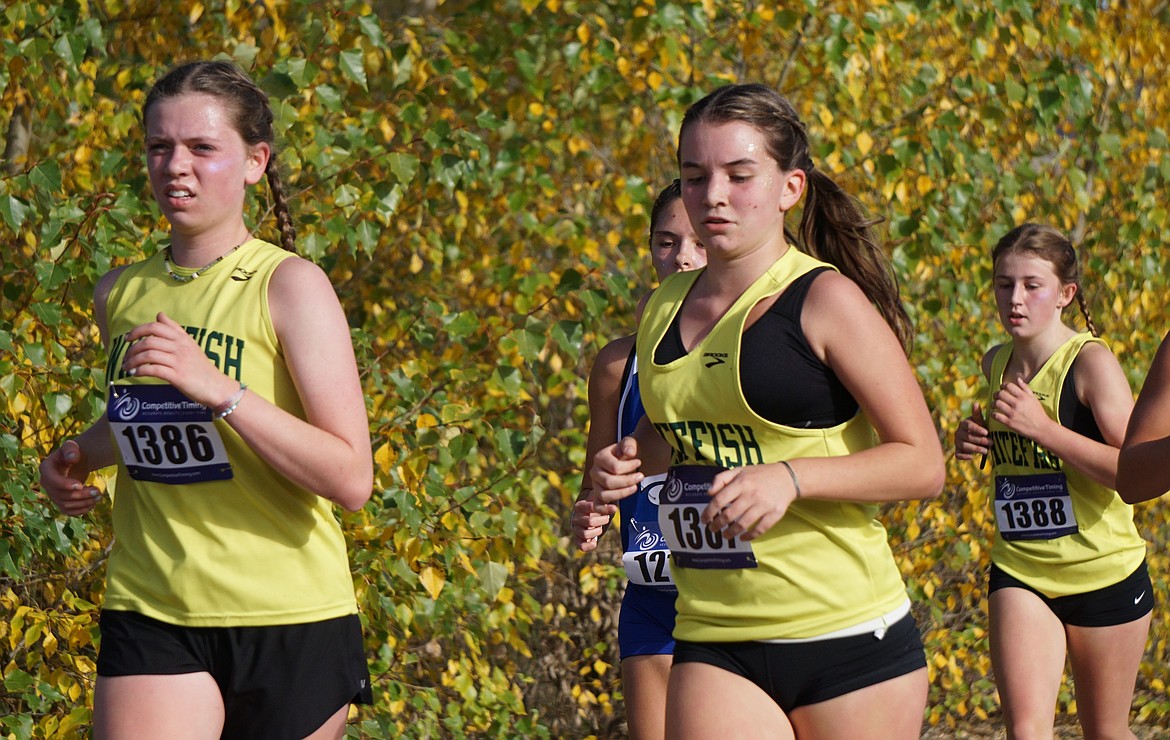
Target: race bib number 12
[
  {"x": 165, "y": 437},
  {"x": 646, "y": 559},
  {"x": 692, "y": 543}
]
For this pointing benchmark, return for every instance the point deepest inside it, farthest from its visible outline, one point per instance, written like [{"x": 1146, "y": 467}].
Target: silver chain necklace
[{"x": 188, "y": 278}]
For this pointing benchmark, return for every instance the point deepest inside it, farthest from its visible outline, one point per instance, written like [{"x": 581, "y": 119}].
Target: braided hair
[{"x": 249, "y": 111}]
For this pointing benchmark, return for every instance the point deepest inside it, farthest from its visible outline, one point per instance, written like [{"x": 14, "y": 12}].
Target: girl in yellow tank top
[
  {"x": 237, "y": 419},
  {"x": 786, "y": 583},
  {"x": 1068, "y": 565}
]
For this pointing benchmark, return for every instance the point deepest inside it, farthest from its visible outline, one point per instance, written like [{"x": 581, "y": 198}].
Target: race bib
[
  {"x": 692, "y": 543},
  {"x": 647, "y": 558},
  {"x": 1034, "y": 507},
  {"x": 165, "y": 437}
]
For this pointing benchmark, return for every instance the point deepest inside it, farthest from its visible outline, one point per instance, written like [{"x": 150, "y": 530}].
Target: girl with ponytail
[
  {"x": 1068, "y": 571},
  {"x": 780, "y": 402}
]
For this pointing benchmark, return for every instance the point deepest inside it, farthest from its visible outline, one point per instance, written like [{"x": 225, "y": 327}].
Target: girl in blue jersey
[
  {"x": 782, "y": 400},
  {"x": 229, "y": 607},
  {"x": 1068, "y": 572},
  {"x": 646, "y": 619}
]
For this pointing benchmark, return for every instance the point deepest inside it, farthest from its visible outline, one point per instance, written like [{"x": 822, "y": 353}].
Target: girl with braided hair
[
  {"x": 1068, "y": 571},
  {"x": 236, "y": 419},
  {"x": 779, "y": 399}
]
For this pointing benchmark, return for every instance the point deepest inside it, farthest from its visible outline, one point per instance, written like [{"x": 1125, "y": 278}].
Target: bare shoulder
[
  {"x": 101, "y": 297},
  {"x": 838, "y": 319},
  {"x": 988, "y": 358},
  {"x": 1152, "y": 412},
  {"x": 299, "y": 273},
  {"x": 1095, "y": 364},
  {"x": 299, "y": 286},
  {"x": 642, "y": 305},
  {"x": 837, "y": 304},
  {"x": 830, "y": 287},
  {"x": 1159, "y": 372},
  {"x": 106, "y": 282},
  {"x": 1096, "y": 357},
  {"x": 610, "y": 362},
  {"x": 303, "y": 303}
]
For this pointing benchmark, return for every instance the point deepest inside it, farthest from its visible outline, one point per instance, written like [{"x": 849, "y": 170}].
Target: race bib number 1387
[
  {"x": 692, "y": 543},
  {"x": 165, "y": 437}
]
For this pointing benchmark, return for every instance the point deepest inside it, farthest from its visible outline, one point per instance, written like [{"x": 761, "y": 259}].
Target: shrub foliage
[{"x": 475, "y": 177}]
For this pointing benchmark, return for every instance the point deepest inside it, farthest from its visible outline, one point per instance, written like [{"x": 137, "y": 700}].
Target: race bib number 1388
[{"x": 1034, "y": 507}]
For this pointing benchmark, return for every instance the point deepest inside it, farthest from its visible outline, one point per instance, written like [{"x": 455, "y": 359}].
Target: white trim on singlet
[
  {"x": 627, "y": 391},
  {"x": 876, "y": 626}
]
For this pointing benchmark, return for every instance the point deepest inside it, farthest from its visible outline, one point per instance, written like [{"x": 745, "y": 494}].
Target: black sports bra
[
  {"x": 1075, "y": 415},
  {"x": 781, "y": 377}
]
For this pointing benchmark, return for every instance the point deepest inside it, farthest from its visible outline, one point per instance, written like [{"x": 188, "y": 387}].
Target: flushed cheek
[
  {"x": 1042, "y": 297},
  {"x": 218, "y": 167}
]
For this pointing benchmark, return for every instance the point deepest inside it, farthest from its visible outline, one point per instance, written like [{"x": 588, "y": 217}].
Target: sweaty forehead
[
  {"x": 729, "y": 144},
  {"x": 1023, "y": 265},
  {"x": 190, "y": 114}
]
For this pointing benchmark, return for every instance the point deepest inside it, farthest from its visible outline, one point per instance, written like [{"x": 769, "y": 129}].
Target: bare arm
[
  {"x": 591, "y": 517},
  {"x": 1142, "y": 472},
  {"x": 907, "y": 463},
  {"x": 328, "y": 452},
  {"x": 65, "y": 470},
  {"x": 856, "y": 343},
  {"x": 971, "y": 436},
  {"x": 1100, "y": 385}
]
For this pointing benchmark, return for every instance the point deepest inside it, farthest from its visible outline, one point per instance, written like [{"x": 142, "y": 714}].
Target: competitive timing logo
[
  {"x": 672, "y": 489},
  {"x": 646, "y": 538},
  {"x": 126, "y": 407},
  {"x": 1005, "y": 489}
]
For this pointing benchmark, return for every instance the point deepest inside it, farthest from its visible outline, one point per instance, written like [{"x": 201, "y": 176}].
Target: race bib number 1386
[{"x": 165, "y": 437}]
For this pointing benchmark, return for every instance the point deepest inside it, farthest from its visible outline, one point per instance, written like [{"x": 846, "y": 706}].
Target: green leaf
[
  {"x": 403, "y": 166},
  {"x": 372, "y": 30},
  {"x": 354, "y": 66},
  {"x": 511, "y": 443},
  {"x": 570, "y": 282},
  {"x": 279, "y": 85},
  {"x": 367, "y": 234},
  {"x": 57, "y": 406},
  {"x": 1015, "y": 91},
  {"x": 464, "y": 324},
  {"x": 329, "y": 97},
  {"x": 46, "y": 175},
  {"x": 569, "y": 335},
  {"x": 13, "y": 210},
  {"x": 18, "y": 682},
  {"x": 49, "y": 275},
  {"x": 493, "y": 577},
  {"x": 71, "y": 48}
]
